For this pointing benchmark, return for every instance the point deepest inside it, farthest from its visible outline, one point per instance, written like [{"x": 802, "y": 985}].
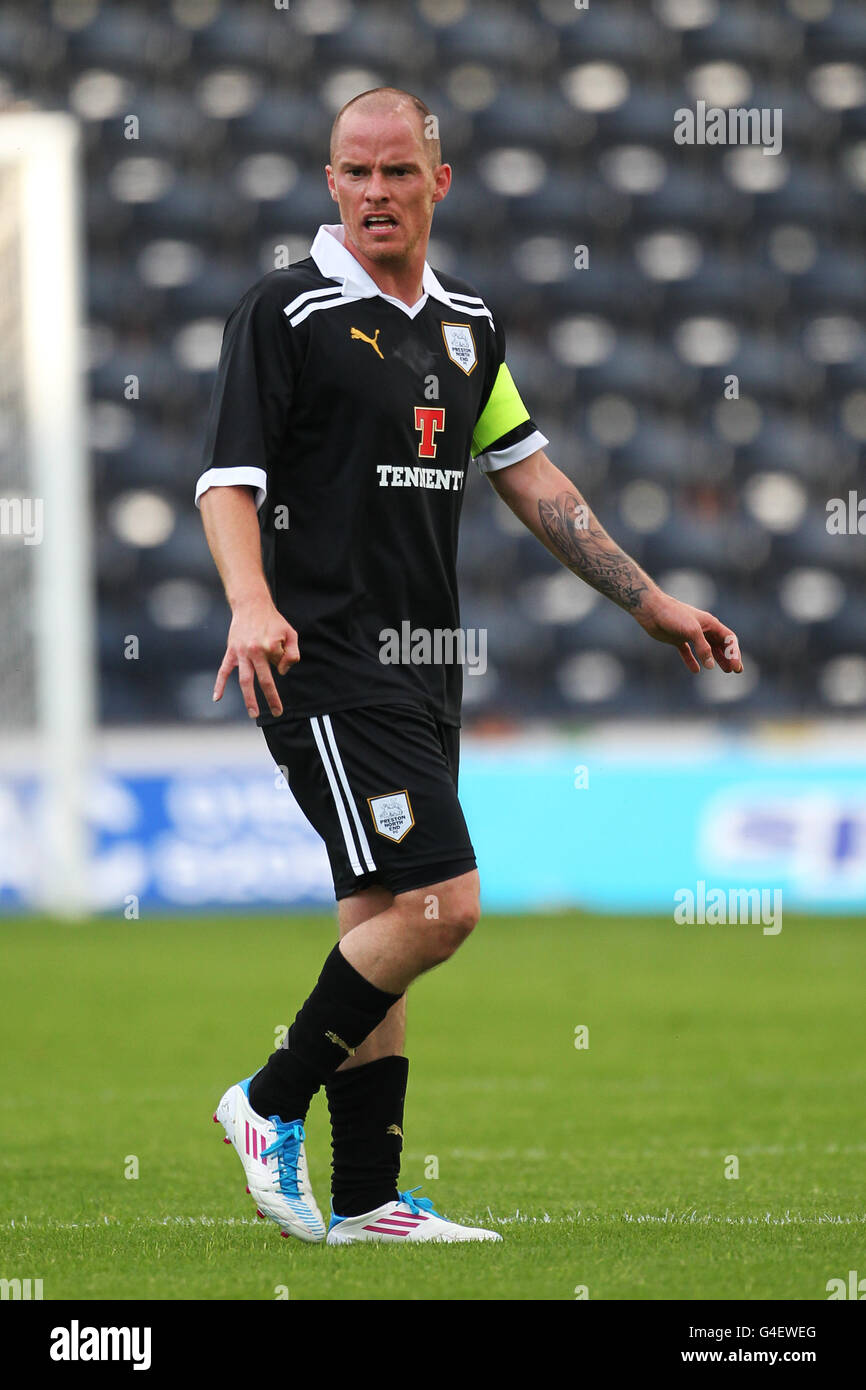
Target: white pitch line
[
  {"x": 116, "y": 1223},
  {"x": 689, "y": 1217},
  {"x": 673, "y": 1218},
  {"x": 580, "y": 1155}
]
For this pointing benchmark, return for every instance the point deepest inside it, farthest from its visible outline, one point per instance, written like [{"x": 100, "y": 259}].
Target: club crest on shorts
[
  {"x": 392, "y": 815},
  {"x": 461, "y": 345}
]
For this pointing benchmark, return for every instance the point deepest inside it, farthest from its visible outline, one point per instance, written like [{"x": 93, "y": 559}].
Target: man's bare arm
[
  {"x": 259, "y": 636},
  {"x": 549, "y": 504}
]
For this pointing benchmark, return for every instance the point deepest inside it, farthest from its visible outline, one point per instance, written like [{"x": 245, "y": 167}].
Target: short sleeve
[
  {"x": 252, "y": 396},
  {"x": 504, "y": 431}
]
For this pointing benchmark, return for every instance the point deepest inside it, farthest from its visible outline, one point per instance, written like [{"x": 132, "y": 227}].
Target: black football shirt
[{"x": 355, "y": 418}]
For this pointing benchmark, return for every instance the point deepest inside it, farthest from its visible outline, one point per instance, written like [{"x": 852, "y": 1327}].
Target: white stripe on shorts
[
  {"x": 353, "y": 806},
  {"x": 338, "y": 799}
]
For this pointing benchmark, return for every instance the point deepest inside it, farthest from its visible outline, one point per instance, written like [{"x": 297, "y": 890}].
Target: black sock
[
  {"x": 341, "y": 1012},
  {"x": 366, "y": 1105}
]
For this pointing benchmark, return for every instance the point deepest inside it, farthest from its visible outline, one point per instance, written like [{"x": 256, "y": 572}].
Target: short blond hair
[{"x": 393, "y": 98}]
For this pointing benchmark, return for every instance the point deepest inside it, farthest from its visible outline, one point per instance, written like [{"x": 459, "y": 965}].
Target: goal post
[{"x": 47, "y": 654}]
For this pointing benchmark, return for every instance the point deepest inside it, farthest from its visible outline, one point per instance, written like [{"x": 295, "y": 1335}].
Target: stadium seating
[{"x": 705, "y": 263}]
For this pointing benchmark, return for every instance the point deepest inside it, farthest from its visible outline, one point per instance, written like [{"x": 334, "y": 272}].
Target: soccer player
[{"x": 352, "y": 390}]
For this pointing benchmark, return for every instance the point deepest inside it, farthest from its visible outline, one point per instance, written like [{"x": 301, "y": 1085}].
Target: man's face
[{"x": 384, "y": 184}]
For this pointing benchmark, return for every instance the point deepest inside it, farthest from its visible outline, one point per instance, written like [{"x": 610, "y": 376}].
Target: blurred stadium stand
[{"x": 704, "y": 262}]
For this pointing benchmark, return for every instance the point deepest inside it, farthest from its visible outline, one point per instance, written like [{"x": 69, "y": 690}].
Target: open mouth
[{"x": 379, "y": 221}]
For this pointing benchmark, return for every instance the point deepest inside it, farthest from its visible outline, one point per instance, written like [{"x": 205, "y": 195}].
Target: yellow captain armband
[{"x": 503, "y": 412}]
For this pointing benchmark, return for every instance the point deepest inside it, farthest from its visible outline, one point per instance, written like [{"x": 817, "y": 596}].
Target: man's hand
[
  {"x": 259, "y": 638},
  {"x": 668, "y": 620},
  {"x": 549, "y": 504}
]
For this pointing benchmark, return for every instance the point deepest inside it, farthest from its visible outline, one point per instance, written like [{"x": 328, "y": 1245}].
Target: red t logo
[{"x": 429, "y": 419}]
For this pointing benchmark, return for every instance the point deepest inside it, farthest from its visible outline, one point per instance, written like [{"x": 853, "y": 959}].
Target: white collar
[{"x": 336, "y": 263}]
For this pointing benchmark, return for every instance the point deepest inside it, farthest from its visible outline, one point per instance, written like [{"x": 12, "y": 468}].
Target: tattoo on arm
[{"x": 582, "y": 544}]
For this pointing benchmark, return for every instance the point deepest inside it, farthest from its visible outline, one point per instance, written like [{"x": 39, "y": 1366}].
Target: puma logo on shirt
[{"x": 374, "y": 341}]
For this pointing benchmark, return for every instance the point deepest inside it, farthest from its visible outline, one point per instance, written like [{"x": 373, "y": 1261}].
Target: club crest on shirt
[
  {"x": 461, "y": 345},
  {"x": 392, "y": 815}
]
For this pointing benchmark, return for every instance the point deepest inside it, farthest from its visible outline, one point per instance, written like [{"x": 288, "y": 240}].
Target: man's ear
[
  {"x": 332, "y": 188},
  {"x": 442, "y": 182}
]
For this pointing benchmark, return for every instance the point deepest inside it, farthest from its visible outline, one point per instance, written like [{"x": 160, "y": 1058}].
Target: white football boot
[
  {"x": 410, "y": 1220},
  {"x": 272, "y": 1153}
]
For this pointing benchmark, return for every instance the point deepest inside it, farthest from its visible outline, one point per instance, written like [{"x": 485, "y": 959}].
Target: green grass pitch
[{"x": 604, "y": 1166}]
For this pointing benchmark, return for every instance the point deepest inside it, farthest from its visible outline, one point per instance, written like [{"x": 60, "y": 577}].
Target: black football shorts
[{"x": 379, "y": 784}]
